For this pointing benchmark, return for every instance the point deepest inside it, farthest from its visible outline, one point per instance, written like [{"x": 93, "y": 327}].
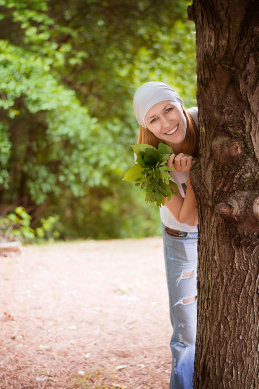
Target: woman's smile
[{"x": 171, "y": 132}]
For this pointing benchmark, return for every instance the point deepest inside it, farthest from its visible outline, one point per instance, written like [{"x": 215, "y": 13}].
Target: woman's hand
[{"x": 181, "y": 162}]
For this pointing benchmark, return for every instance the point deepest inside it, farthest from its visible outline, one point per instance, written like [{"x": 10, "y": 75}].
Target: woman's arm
[{"x": 185, "y": 209}]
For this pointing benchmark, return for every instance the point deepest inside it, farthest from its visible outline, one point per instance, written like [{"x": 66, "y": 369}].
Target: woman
[{"x": 162, "y": 118}]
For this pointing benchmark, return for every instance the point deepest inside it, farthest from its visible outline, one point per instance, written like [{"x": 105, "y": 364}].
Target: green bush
[{"x": 17, "y": 226}]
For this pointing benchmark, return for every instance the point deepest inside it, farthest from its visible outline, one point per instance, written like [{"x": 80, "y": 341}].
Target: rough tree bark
[{"x": 226, "y": 183}]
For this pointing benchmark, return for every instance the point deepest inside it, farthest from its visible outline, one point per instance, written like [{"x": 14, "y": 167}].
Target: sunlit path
[{"x": 85, "y": 313}]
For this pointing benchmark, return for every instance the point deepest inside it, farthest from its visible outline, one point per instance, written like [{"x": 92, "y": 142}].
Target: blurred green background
[{"x": 68, "y": 72}]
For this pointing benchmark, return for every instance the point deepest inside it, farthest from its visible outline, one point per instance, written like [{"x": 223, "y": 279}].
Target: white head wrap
[{"x": 149, "y": 94}]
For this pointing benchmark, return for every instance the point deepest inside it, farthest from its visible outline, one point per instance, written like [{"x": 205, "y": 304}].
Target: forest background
[{"x": 68, "y": 72}]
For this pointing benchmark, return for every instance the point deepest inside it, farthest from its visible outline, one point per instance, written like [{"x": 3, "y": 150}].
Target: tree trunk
[{"x": 226, "y": 183}]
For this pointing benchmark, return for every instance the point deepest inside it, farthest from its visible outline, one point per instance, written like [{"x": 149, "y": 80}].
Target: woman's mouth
[{"x": 171, "y": 132}]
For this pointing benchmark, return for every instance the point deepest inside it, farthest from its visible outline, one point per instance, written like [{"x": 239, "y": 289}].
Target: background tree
[
  {"x": 226, "y": 181},
  {"x": 68, "y": 71}
]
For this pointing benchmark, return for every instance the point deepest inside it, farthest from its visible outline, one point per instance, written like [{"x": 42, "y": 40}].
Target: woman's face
[{"x": 167, "y": 122}]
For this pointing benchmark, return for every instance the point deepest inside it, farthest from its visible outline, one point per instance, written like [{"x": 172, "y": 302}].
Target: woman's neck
[{"x": 176, "y": 148}]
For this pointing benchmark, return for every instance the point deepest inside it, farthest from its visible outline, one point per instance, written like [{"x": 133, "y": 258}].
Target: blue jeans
[{"x": 181, "y": 272}]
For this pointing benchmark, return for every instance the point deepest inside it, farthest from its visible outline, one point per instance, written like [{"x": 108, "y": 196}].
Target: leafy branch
[{"x": 151, "y": 172}]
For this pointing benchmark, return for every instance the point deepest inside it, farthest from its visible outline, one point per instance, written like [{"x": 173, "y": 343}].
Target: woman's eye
[
  {"x": 169, "y": 109},
  {"x": 153, "y": 120}
]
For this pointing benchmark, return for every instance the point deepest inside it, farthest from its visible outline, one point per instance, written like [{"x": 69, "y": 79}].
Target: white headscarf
[{"x": 151, "y": 93}]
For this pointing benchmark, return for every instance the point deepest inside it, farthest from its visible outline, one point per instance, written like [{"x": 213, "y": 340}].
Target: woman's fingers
[
  {"x": 182, "y": 162},
  {"x": 170, "y": 162}
]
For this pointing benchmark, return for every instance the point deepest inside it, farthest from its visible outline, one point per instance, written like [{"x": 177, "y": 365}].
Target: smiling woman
[{"x": 162, "y": 117}]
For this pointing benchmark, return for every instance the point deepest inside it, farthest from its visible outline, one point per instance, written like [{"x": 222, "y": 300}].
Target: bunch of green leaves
[{"x": 151, "y": 172}]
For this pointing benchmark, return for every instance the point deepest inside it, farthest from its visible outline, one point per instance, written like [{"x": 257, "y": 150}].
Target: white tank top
[{"x": 181, "y": 180}]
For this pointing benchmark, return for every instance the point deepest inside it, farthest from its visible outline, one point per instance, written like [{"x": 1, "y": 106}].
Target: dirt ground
[{"x": 90, "y": 314}]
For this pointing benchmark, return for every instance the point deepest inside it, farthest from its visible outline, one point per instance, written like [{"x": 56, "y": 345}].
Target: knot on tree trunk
[
  {"x": 232, "y": 209},
  {"x": 243, "y": 209},
  {"x": 226, "y": 149}
]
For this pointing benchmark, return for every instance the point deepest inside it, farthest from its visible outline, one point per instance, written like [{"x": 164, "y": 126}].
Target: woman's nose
[{"x": 165, "y": 122}]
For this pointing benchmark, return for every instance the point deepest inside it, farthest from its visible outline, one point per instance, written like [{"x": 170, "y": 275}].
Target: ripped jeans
[{"x": 181, "y": 272}]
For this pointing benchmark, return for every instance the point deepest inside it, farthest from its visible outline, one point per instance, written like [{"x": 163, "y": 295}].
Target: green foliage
[
  {"x": 46, "y": 230},
  {"x": 67, "y": 139},
  {"x": 151, "y": 172},
  {"x": 5, "y": 147},
  {"x": 172, "y": 63},
  {"x": 118, "y": 211},
  {"x": 68, "y": 71},
  {"x": 17, "y": 225}
]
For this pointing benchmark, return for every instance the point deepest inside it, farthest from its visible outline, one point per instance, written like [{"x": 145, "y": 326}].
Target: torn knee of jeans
[
  {"x": 185, "y": 275},
  {"x": 188, "y": 274},
  {"x": 186, "y": 300},
  {"x": 189, "y": 300}
]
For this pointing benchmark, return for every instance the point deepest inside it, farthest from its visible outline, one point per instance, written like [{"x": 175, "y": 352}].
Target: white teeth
[{"x": 172, "y": 131}]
